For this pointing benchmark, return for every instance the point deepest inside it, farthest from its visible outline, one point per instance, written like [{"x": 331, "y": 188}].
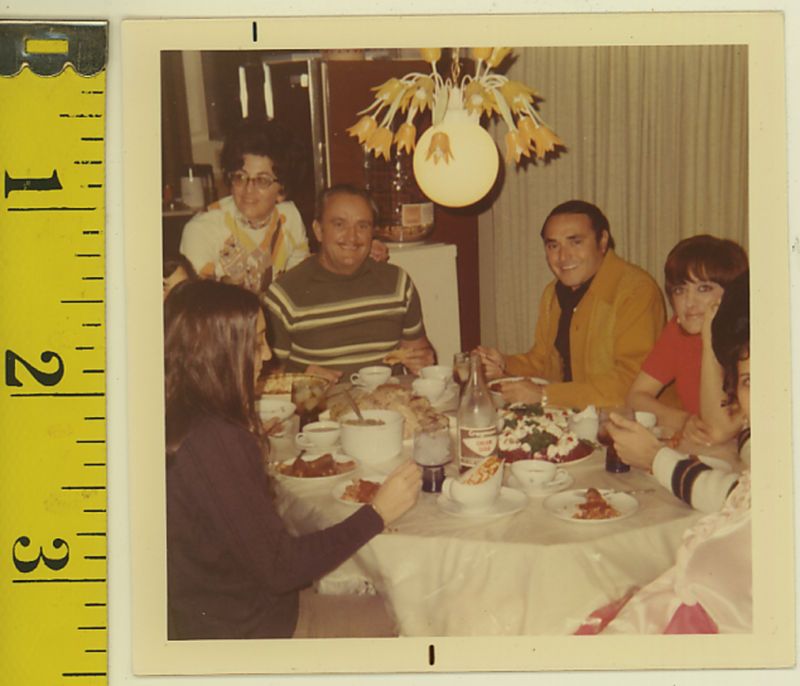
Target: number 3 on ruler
[
  {"x": 44, "y": 378},
  {"x": 26, "y": 566}
]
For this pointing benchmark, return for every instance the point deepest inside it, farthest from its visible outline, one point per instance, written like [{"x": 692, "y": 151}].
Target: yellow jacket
[{"x": 613, "y": 329}]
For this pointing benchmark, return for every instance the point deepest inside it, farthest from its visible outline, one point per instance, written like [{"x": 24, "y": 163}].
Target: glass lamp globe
[{"x": 469, "y": 174}]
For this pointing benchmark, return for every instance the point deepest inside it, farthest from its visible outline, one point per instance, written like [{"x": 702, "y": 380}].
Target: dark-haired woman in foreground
[{"x": 233, "y": 569}]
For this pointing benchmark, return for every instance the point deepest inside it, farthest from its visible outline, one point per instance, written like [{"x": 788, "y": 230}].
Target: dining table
[{"x": 445, "y": 572}]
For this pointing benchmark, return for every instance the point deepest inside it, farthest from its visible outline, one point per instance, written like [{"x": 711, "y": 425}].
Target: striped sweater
[{"x": 341, "y": 322}]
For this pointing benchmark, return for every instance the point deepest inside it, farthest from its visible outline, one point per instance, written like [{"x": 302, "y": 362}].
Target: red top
[{"x": 677, "y": 356}]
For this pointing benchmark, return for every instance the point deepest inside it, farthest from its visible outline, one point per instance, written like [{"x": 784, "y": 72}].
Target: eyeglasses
[{"x": 261, "y": 182}]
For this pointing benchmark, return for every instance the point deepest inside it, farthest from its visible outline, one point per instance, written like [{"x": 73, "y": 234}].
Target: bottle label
[
  {"x": 477, "y": 444},
  {"x": 417, "y": 214}
]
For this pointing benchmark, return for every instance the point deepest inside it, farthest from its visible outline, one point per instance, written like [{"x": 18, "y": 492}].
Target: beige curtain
[{"x": 655, "y": 136}]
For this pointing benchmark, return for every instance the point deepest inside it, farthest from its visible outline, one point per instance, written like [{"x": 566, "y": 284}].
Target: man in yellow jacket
[{"x": 597, "y": 320}]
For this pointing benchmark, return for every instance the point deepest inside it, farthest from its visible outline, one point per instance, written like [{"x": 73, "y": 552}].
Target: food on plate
[
  {"x": 367, "y": 421},
  {"x": 307, "y": 391},
  {"x": 595, "y": 507},
  {"x": 398, "y": 356},
  {"x": 484, "y": 471},
  {"x": 532, "y": 432},
  {"x": 324, "y": 465},
  {"x": 417, "y": 411},
  {"x": 361, "y": 491}
]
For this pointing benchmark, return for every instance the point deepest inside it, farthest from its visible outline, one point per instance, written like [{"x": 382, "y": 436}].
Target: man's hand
[
  {"x": 522, "y": 391},
  {"x": 379, "y": 251},
  {"x": 635, "y": 445},
  {"x": 494, "y": 365},
  {"x": 330, "y": 374},
  {"x": 417, "y": 354}
]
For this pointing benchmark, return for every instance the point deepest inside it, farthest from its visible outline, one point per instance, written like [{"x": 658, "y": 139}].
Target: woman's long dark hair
[
  {"x": 730, "y": 331},
  {"x": 209, "y": 356}
]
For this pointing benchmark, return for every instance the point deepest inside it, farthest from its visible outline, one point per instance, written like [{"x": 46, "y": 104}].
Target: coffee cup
[
  {"x": 431, "y": 389},
  {"x": 647, "y": 419},
  {"x": 478, "y": 488},
  {"x": 534, "y": 473},
  {"x": 371, "y": 377},
  {"x": 320, "y": 435},
  {"x": 437, "y": 371}
]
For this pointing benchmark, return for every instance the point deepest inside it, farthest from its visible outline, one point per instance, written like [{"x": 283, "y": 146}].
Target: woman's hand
[
  {"x": 398, "y": 493},
  {"x": 522, "y": 391},
  {"x": 697, "y": 431},
  {"x": 635, "y": 445},
  {"x": 708, "y": 318},
  {"x": 494, "y": 364},
  {"x": 379, "y": 251}
]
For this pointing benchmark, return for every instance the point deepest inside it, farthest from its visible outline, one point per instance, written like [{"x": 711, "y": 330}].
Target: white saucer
[
  {"x": 562, "y": 480},
  {"x": 509, "y": 502}
]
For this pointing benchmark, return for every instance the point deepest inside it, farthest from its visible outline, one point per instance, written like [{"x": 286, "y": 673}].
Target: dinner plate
[
  {"x": 535, "y": 379},
  {"x": 508, "y": 502},
  {"x": 337, "y": 456},
  {"x": 338, "y": 489},
  {"x": 561, "y": 480},
  {"x": 565, "y": 505}
]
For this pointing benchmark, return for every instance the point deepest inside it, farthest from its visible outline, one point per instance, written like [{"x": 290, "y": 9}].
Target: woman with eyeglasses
[{"x": 254, "y": 234}]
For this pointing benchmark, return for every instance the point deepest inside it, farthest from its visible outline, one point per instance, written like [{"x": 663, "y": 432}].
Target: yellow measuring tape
[{"x": 53, "y": 589}]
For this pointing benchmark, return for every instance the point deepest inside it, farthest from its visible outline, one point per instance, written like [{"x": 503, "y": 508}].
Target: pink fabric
[
  {"x": 677, "y": 355},
  {"x": 709, "y": 589},
  {"x": 598, "y": 620},
  {"x": 691, "y": 619}
]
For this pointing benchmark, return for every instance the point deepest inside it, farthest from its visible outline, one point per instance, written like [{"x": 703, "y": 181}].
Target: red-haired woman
[{"x": 233, "y": 569}]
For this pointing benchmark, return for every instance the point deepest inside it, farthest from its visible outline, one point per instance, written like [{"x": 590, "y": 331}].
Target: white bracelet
[{"x": 544, "y": 395}]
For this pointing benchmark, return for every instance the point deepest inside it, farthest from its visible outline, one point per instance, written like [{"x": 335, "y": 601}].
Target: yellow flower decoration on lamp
[
  {"x": 380, "y": 140},
  {"x": 518, "y": 96},
  {"x": 497, "y": 56},
  {"x": 406, "y": 137},
  {"x": 439, "y": 149},
  {"x": 480, "y": 53},
  {"x": 419, "y": 95},
  {"x": 463, "y": 100},
  {"x": 478, "y": 99},
  {"x": 431, "y": 55},
  {"x": 363, "y": 128},
  {"x": 516, "y": 146}
]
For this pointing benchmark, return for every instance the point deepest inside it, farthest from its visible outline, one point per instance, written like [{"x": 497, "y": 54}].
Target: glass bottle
[
  {"x": 477, "y": 419},
  {"x": 405, "y": 214}
]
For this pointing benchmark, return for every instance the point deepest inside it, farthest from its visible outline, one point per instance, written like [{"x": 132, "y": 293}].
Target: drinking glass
[
  {"x": 461, "y": 369},
  {"x": 432, "y": 452},
  {"x": 613, "y": 462}
]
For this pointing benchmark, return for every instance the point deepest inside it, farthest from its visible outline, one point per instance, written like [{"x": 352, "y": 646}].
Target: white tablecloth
[{"x": 524, "y": 574}]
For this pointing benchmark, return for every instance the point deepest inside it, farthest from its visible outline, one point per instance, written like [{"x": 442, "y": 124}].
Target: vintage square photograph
[{"x": 453, "y": 344}]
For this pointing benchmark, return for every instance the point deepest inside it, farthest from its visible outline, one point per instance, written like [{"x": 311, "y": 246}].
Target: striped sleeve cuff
[{"x": 693, "y": 481}]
